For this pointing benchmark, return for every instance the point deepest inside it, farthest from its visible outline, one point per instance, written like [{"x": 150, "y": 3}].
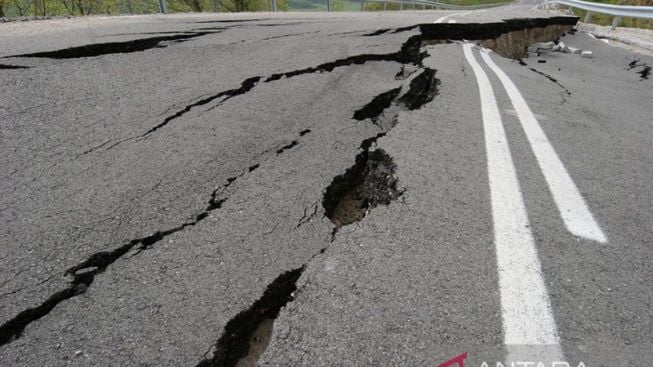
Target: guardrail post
[
  {"x": 588, "y": 17},
  {"x": 328, "y": 5},
  {"x": 274, "y": 6},
  {"x": 162, "y": 6},
  {"x": 414, "y": 5},
  {"x": 401, "y": 6},
  {"x": 615, "y": 22},
  {"x": 385, "y": 5},
  {"x": 362, "y": 5}
]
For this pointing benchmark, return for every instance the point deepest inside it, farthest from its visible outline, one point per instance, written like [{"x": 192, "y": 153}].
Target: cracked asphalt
[{"x": 163, "y": 174}]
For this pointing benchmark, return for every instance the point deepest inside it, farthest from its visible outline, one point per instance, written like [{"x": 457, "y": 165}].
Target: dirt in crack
[
  {"x": 246, "y": 335},
  {"x": 370, "y": 182}
]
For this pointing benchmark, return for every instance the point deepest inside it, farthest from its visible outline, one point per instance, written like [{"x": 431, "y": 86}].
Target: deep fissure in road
[
  {"x": 13, "y": 67},
  {"x": 369, "y": 182},
  {"x": 83, "y": 274},
  {"x": 99, "y": 49},
  {"x": 236, "y": 341},
  {"x": 498, "y": 36}
]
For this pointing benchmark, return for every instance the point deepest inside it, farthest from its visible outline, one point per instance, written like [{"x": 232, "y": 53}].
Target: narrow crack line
[
  {"x": 288, "y": 35},
  {"x": 92, "y": 149},
  {"x": 287, "y": 146},
  {"x": 245, "y": 87},
  {"x": 377, "y": 32},
  {"x": 83, "y": 274},
  {"x": 99, "y": 49},
  {"x": 548, "y": 76},
  {"x": 307, "y": 217}
]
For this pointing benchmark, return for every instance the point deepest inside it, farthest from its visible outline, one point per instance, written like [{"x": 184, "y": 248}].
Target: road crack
[
  {"x": 235, "y": 343},
  {"x": 84, "y": 273},
  {"x": 99, "y": 49}
]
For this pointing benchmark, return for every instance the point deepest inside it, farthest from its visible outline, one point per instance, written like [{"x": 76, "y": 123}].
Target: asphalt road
[{"x": 173, "y": 184}]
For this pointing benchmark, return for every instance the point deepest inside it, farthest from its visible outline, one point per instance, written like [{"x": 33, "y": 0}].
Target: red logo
[{"x": 457, "y": 361}]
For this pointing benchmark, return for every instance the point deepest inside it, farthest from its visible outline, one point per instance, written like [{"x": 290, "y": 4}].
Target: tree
[
  {"x": 22, "y": 7},
  {"x": 337, "y": 5}
]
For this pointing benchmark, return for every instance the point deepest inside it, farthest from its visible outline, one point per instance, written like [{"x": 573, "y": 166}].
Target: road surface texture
[{"x": 322, "y": 190}]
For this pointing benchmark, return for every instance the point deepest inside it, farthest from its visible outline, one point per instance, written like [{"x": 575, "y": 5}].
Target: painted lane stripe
[
  {"x": 442, "y": 19},
  {"x": 526, "y": 310},
  {"x": 576, "y": 215}
]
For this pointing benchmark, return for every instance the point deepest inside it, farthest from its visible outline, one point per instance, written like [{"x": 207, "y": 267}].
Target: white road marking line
[
  {"x": 576, "y": 215},
  {"x": 526, "y": 310},
  {"x": 442, "y": 19},
  {"x": 453, "y": 21}
]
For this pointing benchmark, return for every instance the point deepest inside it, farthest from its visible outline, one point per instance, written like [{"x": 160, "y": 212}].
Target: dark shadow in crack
[
  {"x": 238, "y": 341},
  {"x": 98, "y": 49}
]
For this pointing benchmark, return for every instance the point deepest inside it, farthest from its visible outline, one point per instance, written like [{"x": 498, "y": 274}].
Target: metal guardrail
[
  {"x": 433, "y": 4},
  {"x": 618, "y": 11}
]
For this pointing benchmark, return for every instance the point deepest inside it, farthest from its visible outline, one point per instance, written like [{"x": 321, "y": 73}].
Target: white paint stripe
[
  {"x": 526, "y": 310},
  {"x": 576, "y": 215},
  {"x": 442, "y": 19},
  {"x": 453, "y": 21}
]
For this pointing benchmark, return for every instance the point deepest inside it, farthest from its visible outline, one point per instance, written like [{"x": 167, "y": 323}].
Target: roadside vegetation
[{"x": 48, "y": 8}]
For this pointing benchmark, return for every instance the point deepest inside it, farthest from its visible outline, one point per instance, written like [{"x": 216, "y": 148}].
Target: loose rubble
[{"x": 543, "y": 48}]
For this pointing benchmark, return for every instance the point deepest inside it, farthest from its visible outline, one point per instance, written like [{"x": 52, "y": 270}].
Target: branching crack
[
  {"x": 371, "y": 181},
  {"x": 83, "y": 274},
  {"x": 245, "y": 87},
  {"x": 308, "y": 215}
]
